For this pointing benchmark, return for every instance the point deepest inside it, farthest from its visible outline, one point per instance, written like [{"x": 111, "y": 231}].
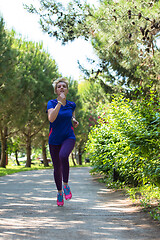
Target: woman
[{"x": 61, "y": 113}]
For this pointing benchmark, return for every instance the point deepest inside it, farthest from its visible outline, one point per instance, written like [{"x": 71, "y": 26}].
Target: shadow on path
[{"x": 28, "y": 210}]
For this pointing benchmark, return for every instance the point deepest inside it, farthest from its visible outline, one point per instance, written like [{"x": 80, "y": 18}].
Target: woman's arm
[{"x": 53, "y": 112}]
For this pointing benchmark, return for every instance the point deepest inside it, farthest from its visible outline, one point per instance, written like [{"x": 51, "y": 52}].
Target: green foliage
[
  {"x": 126, "y": 141},
  {"x": 36, "y": 71},
  {"x": 8, "y": 77},
  {"x": 26, "y": 74},
  {"x": 9, "y": 83},
  {"x": 124, "y": 35},
  {"x": 90, "y": 95},
  {"x": 148, "y": 196},
  {"x": 65, "y": 22}
]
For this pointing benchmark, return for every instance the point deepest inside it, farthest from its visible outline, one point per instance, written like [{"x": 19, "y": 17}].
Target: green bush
[{"x": 125, "y": 143}]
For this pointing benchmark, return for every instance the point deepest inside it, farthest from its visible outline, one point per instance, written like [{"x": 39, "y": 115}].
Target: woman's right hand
[{"x": 62, "y": 98}]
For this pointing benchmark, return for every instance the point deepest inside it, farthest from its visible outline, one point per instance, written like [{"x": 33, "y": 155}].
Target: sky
[{"x": 26, "y": 25}]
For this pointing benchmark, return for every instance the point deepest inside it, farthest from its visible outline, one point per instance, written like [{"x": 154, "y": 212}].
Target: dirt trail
[{"x": 28, "y": 210}]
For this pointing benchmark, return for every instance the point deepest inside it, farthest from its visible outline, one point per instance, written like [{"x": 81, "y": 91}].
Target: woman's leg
[
  {"x": 54, "y": 151},
  {"x": 66, "y": 148}
]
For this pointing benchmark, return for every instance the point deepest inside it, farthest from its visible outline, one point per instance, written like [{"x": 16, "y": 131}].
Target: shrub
[{"x": 126, "y": 140}]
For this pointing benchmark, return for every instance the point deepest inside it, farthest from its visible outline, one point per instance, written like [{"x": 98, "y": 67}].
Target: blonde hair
[{"x": 62, "y": 79}]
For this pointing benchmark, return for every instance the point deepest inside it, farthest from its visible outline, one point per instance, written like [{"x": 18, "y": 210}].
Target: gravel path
[{"x": 28, "y": 210}]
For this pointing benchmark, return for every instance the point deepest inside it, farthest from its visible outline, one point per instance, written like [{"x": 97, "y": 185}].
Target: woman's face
[{"x": 61, "y": 88}]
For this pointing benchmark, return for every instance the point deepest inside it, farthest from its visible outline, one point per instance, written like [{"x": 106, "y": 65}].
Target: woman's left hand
[{"x": 75, "y": 123}]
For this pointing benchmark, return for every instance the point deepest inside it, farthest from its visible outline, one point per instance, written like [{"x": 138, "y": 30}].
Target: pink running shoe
[
  {"x": 67, "y": 192},
  {"x": 60, "y": 201}
]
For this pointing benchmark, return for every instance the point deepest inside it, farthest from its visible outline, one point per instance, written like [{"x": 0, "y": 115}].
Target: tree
[
  {"x": 8, "y": 87},
  {"x": 13, "y": 146},
  {"x": 63, "y": 23},
  {"x": 40, "y": 140},
  {"x": 90, "y": 94},
  {"x": 125, "y": 38},
  {"x": 37, "y": 71},
  {"x": 124, "y": 35}
]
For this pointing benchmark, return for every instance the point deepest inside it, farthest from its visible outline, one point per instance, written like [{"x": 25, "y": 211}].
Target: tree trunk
[
  {"x": 3, "y": 147},
  {"x": 45, "y": 161},
  {"x": 16, "y": 155},
  {"x": 75, "y": 154},
  {"x": 73, "y": 159},
  {"x": 28, "y": 150},
  {"x": 80, "y": 155}
]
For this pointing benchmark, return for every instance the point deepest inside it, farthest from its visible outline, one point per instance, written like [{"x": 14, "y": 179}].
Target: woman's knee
[{"x": 63, "y": 157}]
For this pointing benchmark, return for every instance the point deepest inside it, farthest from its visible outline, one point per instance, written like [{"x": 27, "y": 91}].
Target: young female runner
[{"x": 61, "y": 114}]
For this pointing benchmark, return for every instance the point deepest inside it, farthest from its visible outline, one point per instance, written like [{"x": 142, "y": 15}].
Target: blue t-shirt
[{"x": 62, "y": 128}]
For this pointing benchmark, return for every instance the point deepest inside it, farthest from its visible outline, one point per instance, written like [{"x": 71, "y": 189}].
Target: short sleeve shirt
[{"x": 62, "y": 128}]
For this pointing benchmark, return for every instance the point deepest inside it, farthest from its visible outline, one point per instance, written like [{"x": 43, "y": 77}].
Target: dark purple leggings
[{"x": 60, "y": 155}]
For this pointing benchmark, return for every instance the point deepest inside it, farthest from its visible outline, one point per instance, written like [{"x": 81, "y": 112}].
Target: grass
[
  {"x": 14, "y": 169},
  {"x": 148, "y": 196},
  {"x": 11, "y": 169}
]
